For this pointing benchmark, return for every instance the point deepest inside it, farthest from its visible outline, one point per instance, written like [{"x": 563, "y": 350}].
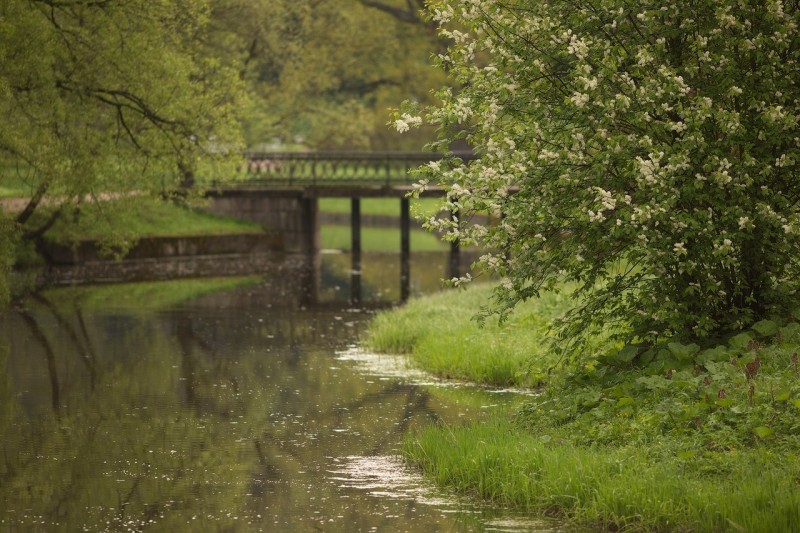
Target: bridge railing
[{"x": 337, "y": 168}]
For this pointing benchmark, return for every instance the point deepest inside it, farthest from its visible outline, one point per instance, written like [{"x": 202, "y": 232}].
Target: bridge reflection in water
[{"x": 281, "y": 190}]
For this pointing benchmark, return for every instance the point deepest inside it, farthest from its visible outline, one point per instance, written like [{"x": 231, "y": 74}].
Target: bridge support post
[
  {"x": 455, "y": 252},
  {"x": 310, "y": 245},
  {"x": 405, "y": 250},
  {"x": 355, "y": 235}
]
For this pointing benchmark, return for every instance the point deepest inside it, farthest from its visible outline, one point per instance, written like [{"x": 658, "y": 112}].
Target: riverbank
[
  {"x": 163, "y": 240},
  {"x": 688, "y": 440}
]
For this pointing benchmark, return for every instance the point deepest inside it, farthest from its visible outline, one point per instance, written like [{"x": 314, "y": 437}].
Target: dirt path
[{"x": 13, "y": 205}]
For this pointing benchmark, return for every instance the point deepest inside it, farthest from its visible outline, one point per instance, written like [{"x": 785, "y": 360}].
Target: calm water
[{"x": 240, "y": 409}]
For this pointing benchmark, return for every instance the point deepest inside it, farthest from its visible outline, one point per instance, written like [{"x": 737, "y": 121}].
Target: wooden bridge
[
  {"x": 281, "y": 190},
  {"x": 333, "y": 172}
]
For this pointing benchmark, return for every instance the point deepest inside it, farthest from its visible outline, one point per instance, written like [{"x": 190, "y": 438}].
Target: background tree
[
  {"x": 651, "y": 151},
  {"x": 140, "y": 99},
  {"x": 324, "y": 73},
  {"x": 105, "y": 98}
]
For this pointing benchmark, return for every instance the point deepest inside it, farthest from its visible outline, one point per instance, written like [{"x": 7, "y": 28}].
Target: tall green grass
[
  {"x": 442, "y": 337},
  {"x": 618, "y": 488}
]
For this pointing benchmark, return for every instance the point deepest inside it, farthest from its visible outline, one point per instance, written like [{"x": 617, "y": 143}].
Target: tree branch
[{"x": 410, "y": 15}]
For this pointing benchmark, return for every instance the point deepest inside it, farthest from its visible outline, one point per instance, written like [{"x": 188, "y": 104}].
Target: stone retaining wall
[{"x": 159, "y": 258}]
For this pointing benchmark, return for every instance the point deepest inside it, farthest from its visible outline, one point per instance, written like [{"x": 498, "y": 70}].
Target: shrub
[{"x": 647, "y": 152}]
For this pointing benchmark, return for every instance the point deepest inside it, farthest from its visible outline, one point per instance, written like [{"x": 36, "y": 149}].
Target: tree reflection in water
[{"x": 226, "y": 412}]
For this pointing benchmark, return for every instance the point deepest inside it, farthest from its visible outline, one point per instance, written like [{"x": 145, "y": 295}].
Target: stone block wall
[{"x": 291, "y": 215}]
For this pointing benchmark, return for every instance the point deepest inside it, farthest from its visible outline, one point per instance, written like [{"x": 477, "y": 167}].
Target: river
[{"x": 221, "y": 405}]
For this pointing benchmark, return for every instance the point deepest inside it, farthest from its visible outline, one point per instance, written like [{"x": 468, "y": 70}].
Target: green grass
[
  {"x": 380, "y": 239},
  {"x": 149, "y": 219},
  {"x": 379, "y": 206},
  {"x": 439, "y": 333},
  {"x": 624, "y": 487},
  {"x": 677, "y": 438}
]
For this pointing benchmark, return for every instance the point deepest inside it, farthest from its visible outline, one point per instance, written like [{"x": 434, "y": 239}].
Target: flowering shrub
[{"x": 647, "y": 151}]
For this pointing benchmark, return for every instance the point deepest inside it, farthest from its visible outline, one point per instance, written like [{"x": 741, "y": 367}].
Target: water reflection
[
  {"x": 380, "y": 275},
  {"x": 228, "y": 412}
]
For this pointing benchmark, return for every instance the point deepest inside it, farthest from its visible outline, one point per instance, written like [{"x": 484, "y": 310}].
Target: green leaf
[
  {"x": 647, "y": 357},
  {"x": 740, "y": 341},
  {"x": 682, "y": 352},
  {"x": 713, "y": 355},
  {"x": 790, "y": 331},
  {"x": 763, "y": 432},
  {"x": 654, "y": 383},
  {"x": 627, "y": 353},
  {"x": 796, "y": 403},
  {"x": 765, "y": 328},
  {"x": 627, "y": 400},
  {"x": 783, "y": 396},
  {"x": 723, "y": 402},
  {"x": 686, "y": 454}
]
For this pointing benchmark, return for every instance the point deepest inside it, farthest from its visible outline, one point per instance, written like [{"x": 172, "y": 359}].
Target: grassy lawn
[
  {"x": 159, "y": 218},
  {"x": 379, "y": 206},
  {"x": 380, "y": 239},
  {"x": 682, "y": 438}
]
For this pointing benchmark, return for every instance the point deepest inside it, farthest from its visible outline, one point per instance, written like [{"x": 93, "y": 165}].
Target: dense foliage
[
  {"x": 323, "y": 73},
  {"x": 105, "y": 99},
  {"x": 141, "y": 99},
  {"x": 646, "y": 151}
]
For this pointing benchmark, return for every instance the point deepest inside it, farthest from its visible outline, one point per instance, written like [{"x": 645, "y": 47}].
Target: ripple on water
[
  {"x": 386, "y": 365},
  {"x": 389, "y": 477},
  {"x": 399, "y": 367},
  {"x": 386, "y": 476}
]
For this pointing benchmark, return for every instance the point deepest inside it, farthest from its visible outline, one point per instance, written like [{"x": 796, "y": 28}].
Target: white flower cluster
[
  {"x": 407, "y": 121},
  {"x": 606, "y": 153}
]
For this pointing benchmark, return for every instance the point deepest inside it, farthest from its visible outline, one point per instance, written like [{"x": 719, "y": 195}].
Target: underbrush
[
  {"x": 744, "y": 393},
  {"x": 675, "y": 437}
]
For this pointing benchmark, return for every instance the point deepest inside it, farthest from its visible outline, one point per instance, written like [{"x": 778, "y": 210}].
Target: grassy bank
[
  {"x": 679, "y": 438},
  {"x": 147, "y": 219},
  {"x": 626, "y": 487},
  {"x": 439, "y": 334}
]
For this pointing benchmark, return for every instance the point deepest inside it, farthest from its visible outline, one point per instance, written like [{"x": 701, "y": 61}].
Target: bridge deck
[
  {"x": 324, "y": 191},
  {"x": 370, "y": 173}
]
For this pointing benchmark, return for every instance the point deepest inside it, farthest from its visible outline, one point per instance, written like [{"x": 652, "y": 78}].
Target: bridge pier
[
  {"x": 355, "y": 234},
  {"x": 282, "y": 190},
  {"x": 405, "y": 249},
  {"x": 292, "y": 215}
]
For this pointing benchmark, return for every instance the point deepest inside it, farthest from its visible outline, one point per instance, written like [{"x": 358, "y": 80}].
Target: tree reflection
[{"x": 210, "y": 415}]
